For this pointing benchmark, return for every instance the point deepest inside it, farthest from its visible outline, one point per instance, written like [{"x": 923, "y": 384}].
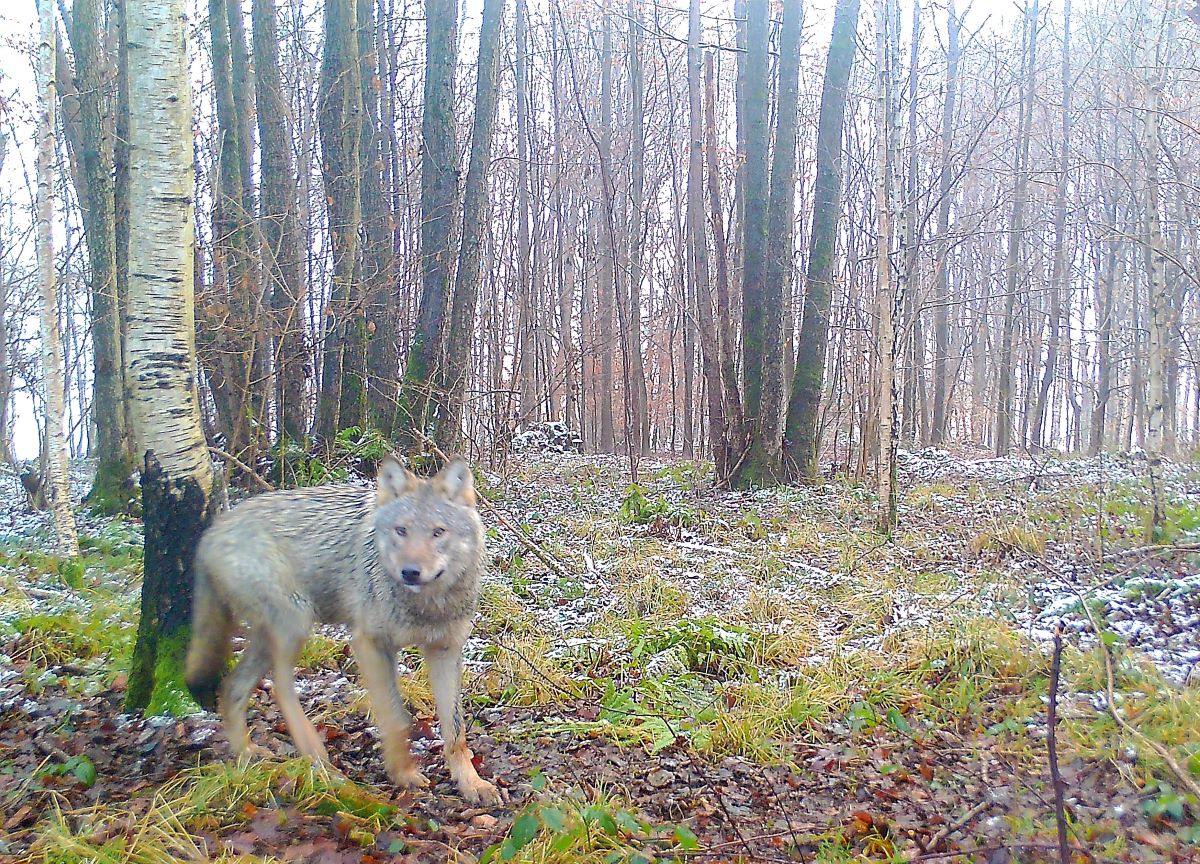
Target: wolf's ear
[
  {"x": 392, "y": 480},
  {"x": 456, "y": 482}
]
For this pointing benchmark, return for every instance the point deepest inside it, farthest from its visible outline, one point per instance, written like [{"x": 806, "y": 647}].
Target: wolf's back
[{"x": 275, "y": 559}]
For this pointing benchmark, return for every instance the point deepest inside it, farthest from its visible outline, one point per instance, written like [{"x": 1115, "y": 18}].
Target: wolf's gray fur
[{"x": 399, "y": 565}]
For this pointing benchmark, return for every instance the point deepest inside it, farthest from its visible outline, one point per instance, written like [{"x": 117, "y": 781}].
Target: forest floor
[{"x": 675, "y": 673}]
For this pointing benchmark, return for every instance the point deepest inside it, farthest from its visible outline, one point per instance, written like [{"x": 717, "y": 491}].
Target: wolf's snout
[{"x": 411, "y": 575}]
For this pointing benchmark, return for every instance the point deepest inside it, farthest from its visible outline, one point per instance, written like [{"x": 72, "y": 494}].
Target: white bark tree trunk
[
  {"x": 161, "y": 339},
  {"x": 52, "y": 349},
  {"x": 886, "y": 294}
]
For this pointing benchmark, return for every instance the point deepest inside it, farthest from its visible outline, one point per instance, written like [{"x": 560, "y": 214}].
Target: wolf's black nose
[{"x": 411, "y": 575}]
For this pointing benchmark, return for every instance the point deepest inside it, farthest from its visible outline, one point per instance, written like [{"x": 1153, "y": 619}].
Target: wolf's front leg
[
  {"x": 378, "y": 666},
  {"x": 445, "y": 674}
]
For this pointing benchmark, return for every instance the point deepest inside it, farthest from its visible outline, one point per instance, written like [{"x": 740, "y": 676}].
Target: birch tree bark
[
  {"x": 52, "y": 350},
  {"x": 885, "y": 291},
  {"x": 161, "y": 355},
  {"x": 1158, "y": 312}
]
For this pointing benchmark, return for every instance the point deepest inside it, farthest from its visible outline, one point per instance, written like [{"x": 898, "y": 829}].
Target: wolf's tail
[{"x": 209, "y": 651}]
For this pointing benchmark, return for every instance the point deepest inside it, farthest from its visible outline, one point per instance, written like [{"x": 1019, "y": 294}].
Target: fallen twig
[
  {"x": 262, "y": 484},
  {"x": 1060, "y": 817},
  {"x": 947, "y": 830}
]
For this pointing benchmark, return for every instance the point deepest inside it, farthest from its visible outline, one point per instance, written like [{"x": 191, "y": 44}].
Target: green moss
[
  {"x": 170, "y": 694},
  {"x": 113, "y": 491}
]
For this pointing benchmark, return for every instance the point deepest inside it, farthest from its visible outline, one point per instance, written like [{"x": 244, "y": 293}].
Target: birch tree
[
  {"x": 161, "y": 357},
  {"x": 52, "y": 357}
]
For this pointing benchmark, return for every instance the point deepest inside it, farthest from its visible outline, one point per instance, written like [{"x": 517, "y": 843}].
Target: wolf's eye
[
  {"x": 401, "y": 531},
  {"x": 438, "y": 532}
]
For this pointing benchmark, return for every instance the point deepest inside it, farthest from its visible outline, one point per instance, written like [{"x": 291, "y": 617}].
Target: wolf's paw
[
  {"x": 410, "y": 778},
  {"x": 479, "y": 791}
]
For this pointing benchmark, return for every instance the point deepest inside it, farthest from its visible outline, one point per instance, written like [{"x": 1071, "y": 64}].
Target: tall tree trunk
[
  {"x": 1058, "y": 279},
  {"x": 459, "y": 342},
  {"x": 342, "y": 401},
  {"x": 886, "y": 298},
  {"x": 802, "y": 435},
  {"x": 230, "y": 316},
  {"x": 378, "y": 278},
  {"x": 1104, "y": 324},
  {"x": 914, "y": 425},
  {"x": 1016, "y": 238},
  {"x": 941, "y": 312},
  {"x": 735, "y": 433},
  {"x": 525, "y": 373},
  {"x": 114, "y": 459},
  {"x": 1158, "y": 311},
  {"x": 52, "y": 349},
  {"x": 161, "y": 347},
  {"x": 710, "y": 346},
  {"x": 606, "y": 300},
  {"x": 755, "y": 465},
  {"x": 637, "y": 183},
  {"x": 439, "y": 189},
  {"x": 283, "y": 243},
  {"x": 566, "y": 228}
]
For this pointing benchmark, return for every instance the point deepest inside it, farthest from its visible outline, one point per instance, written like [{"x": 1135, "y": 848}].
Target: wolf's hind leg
[
  {"x": 378, "y": 667},
  {"x": 236, "y": 689},
  {"x": 285, "y": 651},
  {"x": 445, "y": 674}
]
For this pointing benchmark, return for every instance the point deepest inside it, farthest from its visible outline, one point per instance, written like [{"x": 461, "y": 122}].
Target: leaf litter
[{"x": 760, "y": 669}]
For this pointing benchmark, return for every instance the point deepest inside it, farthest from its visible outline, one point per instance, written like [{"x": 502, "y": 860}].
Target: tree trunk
[
  {"x": 114, "y": 459},
  {"x": 885, "y": 292},
  {"x": 475, "y": 222},
  {"x": 52, "y": 349},
  {"x": 735, "y": 433},
  {"x": 1058, "y": 279},
  {"x": 802, "y": 436},
  {"x": 941, "y": 312},
  {"x": 755, "y": 465},
  {"x": 605, "y": 301},
  {"x": 1157, "y": 313},
  {"x": 639, "y": 396},
  {"x": 439, "y": 192},
  {"x": 1016, "y": 239},
  {"x": 342, "y": 401},
  {"x": 161, "y": 348},
  {"x": 378, "y": 278},
  {"x": 283, "y": 243},
  {"x": 230, "y": 315},
  {"x": 710, "y": 346}
]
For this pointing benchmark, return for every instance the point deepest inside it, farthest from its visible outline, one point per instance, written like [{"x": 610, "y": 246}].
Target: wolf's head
[{"x": 427, "y": 532}]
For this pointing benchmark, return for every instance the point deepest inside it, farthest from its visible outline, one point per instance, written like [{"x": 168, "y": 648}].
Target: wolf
[{"x": 399, "y": 566}]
